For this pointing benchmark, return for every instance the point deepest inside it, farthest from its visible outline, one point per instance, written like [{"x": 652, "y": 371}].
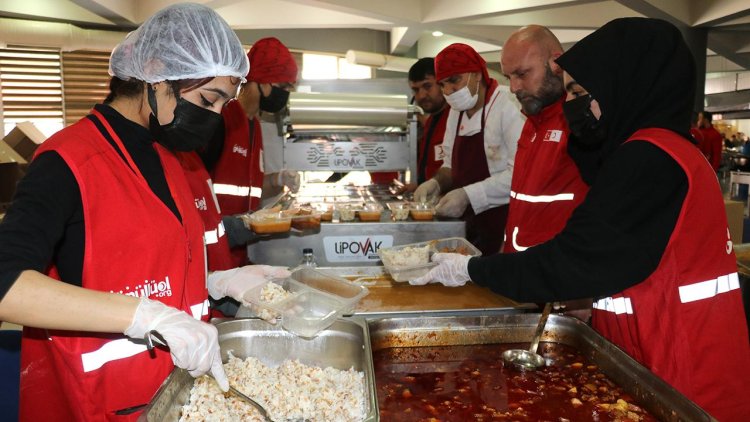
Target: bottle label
[{"x": 355, "y": 248}]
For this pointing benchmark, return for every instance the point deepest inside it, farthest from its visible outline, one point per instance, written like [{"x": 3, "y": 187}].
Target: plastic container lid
[
  {"x": 316, "y": 299},
  {"x": 422, "y": 251}
]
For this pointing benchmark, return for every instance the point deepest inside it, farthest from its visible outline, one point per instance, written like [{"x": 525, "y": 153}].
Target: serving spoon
[{"x": 529, "y": 359}]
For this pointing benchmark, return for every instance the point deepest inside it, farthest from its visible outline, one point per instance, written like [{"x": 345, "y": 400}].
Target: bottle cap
[{"x": 307, "y": 250}]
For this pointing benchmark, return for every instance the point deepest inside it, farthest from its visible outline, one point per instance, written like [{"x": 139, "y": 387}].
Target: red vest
[
  {"x": 134, "y": 245},
  {"x": 469, "y": 165},
  {"x": 238, "y": 176},
  {"x": 217, "y": 246},
  {"x": 686, "y": 321},
  {"x": 546, "y": 185},
  {"x": 432, "y": 141}
]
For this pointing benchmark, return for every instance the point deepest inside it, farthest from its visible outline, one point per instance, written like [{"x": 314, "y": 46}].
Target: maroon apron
[{"x": 469, "y": 165}]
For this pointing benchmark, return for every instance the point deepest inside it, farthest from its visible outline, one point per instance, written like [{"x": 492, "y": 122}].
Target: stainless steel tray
[
  {"x": 343, "y": 345},
  {"x": 658, "y": 397}
]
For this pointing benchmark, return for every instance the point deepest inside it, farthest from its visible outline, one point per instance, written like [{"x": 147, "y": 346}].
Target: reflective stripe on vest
[
  {"x": 125, "y": 348},
  {"x": 618, "y": 305},
  {"x": 542, "y": 198},
  {"x": 709, "y": 288},
  {"x": 516, "y": 246},
  {"x": 234, "y": 190},
  {"x": 212, "y": 236}
]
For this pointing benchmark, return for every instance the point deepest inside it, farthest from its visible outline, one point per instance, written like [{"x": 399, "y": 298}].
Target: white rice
[
  {"x": 405, "y": 257},
  {"x": 271, "y": 293},
  {"x": 291, "y": 392}
]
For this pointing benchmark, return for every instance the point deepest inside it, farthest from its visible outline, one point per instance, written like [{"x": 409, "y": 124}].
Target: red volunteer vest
[
  {"x": 469, "y": 165},
  {"x": 134, "y": 245},
  {"x": 686, "y": 322},
  {"x": 430, "y": 150},
  {"x": 238, "y": 176},
  {"x": 546, "y": 185},
  {"x": 217, "y": 245}
]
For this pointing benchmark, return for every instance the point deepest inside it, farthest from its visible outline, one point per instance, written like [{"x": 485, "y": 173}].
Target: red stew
[{"x": 470, "y": 383}]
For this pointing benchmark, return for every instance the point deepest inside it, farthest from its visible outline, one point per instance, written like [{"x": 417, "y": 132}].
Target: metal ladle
[
  {"x": 251, "y": 402},
  {"x": 529, "y": 359}
]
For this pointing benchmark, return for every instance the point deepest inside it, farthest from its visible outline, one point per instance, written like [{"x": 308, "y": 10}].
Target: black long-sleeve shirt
[
  {"x": 44, "y": 224},
  {"x": 613, "y": 240}
]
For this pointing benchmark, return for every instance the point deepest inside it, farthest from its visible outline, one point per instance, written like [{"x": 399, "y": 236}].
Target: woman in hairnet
[
  {"x": 105, "y": 208},
  {"x": 650, "y": 242}
]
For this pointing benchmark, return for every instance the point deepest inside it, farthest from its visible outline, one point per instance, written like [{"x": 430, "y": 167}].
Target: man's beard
[
  {"x": 431, "y": 107},
  {"x": 550, "y": 91}
]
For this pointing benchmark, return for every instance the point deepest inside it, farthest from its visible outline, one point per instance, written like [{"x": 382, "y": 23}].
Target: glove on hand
[
  {"x": 427, "y": 191},
  {"x": 288, "y": 178},
  {"x": 452, "y": 271},
  {"x": 193, "y": 344},
  {"x": 235, "y": 282},
  {"x": 453, "y": 204}
]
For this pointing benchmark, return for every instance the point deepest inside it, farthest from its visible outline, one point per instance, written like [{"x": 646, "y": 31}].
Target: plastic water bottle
[{"x": 308, "y": 259}]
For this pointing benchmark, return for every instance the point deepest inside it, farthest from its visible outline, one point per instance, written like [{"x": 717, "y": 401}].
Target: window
[
  {"x": 85, "y": 82},
  {"x": 321, "y": 66},
  {"x": 31, "y": 88}
]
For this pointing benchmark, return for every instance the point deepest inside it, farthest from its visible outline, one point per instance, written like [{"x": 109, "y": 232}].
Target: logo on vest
[
  {"x": 149, "y": 288},
  {"x": 200, "y": 203},
  {"x": 238, "y": 149},
  {"x": 553, "y": 136}
]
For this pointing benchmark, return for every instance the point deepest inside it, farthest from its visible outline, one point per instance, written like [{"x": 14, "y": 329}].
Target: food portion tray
[
  {"x": 656, "y": 396},
  {"x": 344, "y": 345},
  {"x": 426, "y": 249}
]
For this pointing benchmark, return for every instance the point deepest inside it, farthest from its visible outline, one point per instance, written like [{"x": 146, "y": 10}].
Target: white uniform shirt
[
  {"x": 273, "y": 148},
  {"x": 502, "y": 128}
]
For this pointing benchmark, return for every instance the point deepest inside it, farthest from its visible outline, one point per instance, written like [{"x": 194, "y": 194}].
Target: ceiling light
[{"x": 437, "y": 34}]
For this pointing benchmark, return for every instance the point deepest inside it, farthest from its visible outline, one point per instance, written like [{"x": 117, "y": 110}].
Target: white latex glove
[
  {"x": 453, "y": 204},
  {"x": 235, "y": 282},
  {"x": 427, "y": 191},
  {"x": 193, "y": 344},
  {"x": 452, "y": 270},
  {"x": 288, "y": 178}
]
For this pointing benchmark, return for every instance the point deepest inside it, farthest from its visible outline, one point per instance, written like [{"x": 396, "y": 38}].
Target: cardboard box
[
  {"x": 25, "y": 138},
  {"x": 10, "y": 171},
  {"x": 735, "y": 217}
]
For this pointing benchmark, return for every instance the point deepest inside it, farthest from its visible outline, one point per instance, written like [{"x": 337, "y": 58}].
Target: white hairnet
[{"x": 183, "y": 41}]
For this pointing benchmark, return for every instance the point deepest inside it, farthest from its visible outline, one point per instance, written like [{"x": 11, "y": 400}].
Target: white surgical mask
[{"x": 462, "y": 99}]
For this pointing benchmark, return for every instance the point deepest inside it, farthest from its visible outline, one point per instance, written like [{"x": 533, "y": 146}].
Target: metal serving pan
[
  {"x": 658, "y": 397},
  {"x": 343, "y": 345}
]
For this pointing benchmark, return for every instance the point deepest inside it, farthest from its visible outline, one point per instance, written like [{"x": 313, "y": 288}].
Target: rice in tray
[
  {"x": 290, "y": 392},
  {"x": 406, "y": 257}
]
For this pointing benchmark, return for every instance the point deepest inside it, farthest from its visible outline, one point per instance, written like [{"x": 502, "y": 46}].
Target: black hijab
[{"x": 642, "y": 74}]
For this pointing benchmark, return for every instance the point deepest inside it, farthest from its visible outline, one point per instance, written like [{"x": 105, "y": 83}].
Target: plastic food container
[
  {"x": 306, "y": 219},
  {"x": 370, "y": 212},
  {"x": 316, "y": 300},
  {"x": 399, "y": 211},
  {"x": 347, "y": 212},
  {"x": 270, "y": 221},
  {"x": 407, "y": 262},
  {"x": 325, "y": 210},
  {"x": 422, "y": 212}
]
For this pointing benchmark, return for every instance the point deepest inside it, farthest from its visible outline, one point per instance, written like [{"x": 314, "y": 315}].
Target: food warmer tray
[
  {"x": 650, "y": 391},
  {"x": 343, "y": 345}
]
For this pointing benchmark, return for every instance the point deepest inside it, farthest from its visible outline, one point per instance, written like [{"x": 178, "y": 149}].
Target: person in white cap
[{"x": 102, "y": 249}]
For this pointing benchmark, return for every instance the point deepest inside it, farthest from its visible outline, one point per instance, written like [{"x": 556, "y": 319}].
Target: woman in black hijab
[{"x": 650, "y": 242}]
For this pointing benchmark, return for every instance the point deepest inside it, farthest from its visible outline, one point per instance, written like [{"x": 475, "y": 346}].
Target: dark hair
[
  {"x": 423, "y": 68},
  {"x": 122, "y": 88},
  {"x": 707, "y": 115}
]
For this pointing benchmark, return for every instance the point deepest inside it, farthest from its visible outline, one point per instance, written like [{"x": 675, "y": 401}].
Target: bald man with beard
[{"x": 546, "y": 185}]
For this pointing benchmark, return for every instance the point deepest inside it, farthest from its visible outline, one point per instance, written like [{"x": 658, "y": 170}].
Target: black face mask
[
  {"x": 192, "y": 128},
  {"x": 275, "y": 101},
  {"x": 582, "y": 122}
]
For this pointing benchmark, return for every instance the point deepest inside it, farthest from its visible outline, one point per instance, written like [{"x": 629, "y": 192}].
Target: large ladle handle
[{"x": 540, "y": 327}]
